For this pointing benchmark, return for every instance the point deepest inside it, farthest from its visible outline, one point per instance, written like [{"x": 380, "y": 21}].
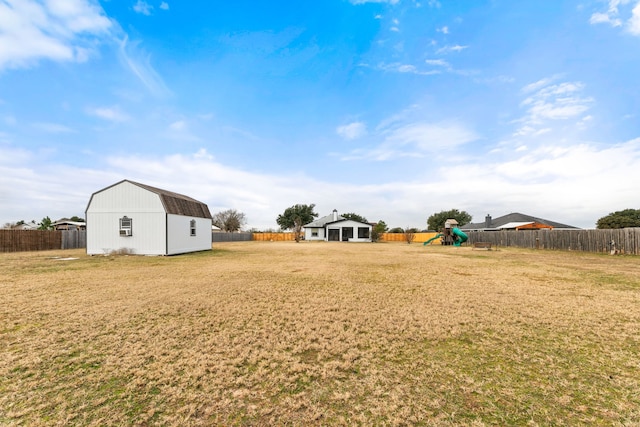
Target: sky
[{"x": 391, "y": 109}]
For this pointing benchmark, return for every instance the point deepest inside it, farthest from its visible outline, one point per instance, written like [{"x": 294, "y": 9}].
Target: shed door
[{"x": 334, "y": 235}]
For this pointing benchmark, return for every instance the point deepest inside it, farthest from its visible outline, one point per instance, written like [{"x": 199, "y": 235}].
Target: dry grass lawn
[{"x": 260, "y": 333}]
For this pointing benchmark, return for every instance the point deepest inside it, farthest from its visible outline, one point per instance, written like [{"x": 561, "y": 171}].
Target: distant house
[
  {"x": 25, "y": 226},
  {"x": 336, "y": 228},
  {"x": 67, "y": 224},
  {"x": 145, "y": 220},
  {"x": 514, "y": 221}
]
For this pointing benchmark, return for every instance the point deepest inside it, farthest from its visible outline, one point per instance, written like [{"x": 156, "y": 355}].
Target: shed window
[
  {"x": 314, "y": 232},
  {"x": 126, "y": 226},
  {"x": 193, "y": 227},
  {"x": 363, "y": 232}
]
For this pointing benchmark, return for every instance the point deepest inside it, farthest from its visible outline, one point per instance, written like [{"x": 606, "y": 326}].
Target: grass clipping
[{"x": 257, "y": 333}]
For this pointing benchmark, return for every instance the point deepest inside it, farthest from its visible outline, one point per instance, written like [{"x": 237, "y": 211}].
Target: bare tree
[
  {"x": 230, "y": 220},
  {"x": 409, "y": 234}
]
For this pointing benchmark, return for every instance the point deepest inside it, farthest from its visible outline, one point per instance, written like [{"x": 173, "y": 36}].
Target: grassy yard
[{"x": 260, "y": 333}]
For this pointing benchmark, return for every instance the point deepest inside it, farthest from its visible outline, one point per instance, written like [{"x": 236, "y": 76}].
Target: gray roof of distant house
[{"x": 497, "y": 223}]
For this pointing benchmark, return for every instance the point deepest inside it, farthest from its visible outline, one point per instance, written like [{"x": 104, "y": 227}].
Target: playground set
[{"x": 451, "y": 235}]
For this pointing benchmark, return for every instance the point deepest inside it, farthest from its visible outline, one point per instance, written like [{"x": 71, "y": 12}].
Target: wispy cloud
[
  {"x": 164, "y": 5},
  {"x": 53, "y": 128},
  {"x": 55, "y": 30},
  {"x": 111, "y": 114},
  {"x": 143, "y": 7},
  {"x": 352, "y": 131},
  {"x": 398, "y": 67},
  {"x": 401, "y": 136},
  {"x": 139, "y": 64},
  {"x": 373, "y": 1},
  {"x": 453, "y": 48},
  {"x": 547, "y": 101}
]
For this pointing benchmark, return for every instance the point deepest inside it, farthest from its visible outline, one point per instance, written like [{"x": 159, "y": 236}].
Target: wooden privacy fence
[
  {"x": 627, "y": 240},
  {"x": 401, "y": 237},
  {"x": 41, "y": 240},
  {"x": 274, "y": 237},
  {"x": 29, "y": 240}
]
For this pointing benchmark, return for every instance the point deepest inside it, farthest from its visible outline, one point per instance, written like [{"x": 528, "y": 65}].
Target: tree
[
  {"x": 396, "y": 230},
  {"x": 437, "y": 220},
  {"x": 355, "y": 217},
  {"x": 377, "y": 230},
  {"x": 45, "y": 224},
  {"x": 620, "y": 219},
  {"x": 409, "y": 234},
  {"x": 295, "y": 217},
  {"x": 76, "y": 219},
  {"x": 230, "y": 220}
]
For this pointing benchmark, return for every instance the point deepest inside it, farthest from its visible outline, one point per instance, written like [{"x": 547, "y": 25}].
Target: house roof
[
  {"x": 174, "y": 203},
  {"x": 511, "y": 219},
  {"x": 321, "y": 222}
]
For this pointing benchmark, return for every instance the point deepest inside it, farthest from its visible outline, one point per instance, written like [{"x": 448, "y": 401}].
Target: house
[
  {"x": 514, "y": 221},
  {"x": 141, "y": 219},
  {"x": 67, "y": 224},
  {"x": 25, "y": 226},
  {"x": 337, "y": 228}
]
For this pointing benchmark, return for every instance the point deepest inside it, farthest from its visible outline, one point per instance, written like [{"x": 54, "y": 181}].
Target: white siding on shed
[
  {"x": 180, "y": 239},
  {"x": 153, "y": 230}
]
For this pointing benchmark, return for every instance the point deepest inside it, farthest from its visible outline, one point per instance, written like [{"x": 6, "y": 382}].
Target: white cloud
[
  {"x": 56, "y": 30},
  {"x": 53, "y": 128},
  {"x": 547, "y": 101},
  {"x": 111, "y": 114},
  {"x": 164, "y": 5},
  {"x": 139, "y": 64},
  {"x": 437, "y": 62},
  {"x": 613, "y": 16},
  {"x": 352, "y": 131},
  {"x": 405, "y": 68},
  {"x": 634, "y": 21},
  {"x": 454, "y": 48},
  {"x": 444, "y": 30},
  {"x": 373, "y": 1},
  {"x": 179, "y": 125},
  {"x": 143, "y": 7},
  {"x": 535, "y": 182},
  {"x": 401, "y": 137}
]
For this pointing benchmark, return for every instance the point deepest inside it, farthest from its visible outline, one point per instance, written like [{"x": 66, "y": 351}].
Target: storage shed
[{"x": 144, "y": 220}]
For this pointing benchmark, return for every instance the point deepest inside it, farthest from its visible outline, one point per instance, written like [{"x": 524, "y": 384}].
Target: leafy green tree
[
  {"x": 437, "y": 220},
  {"x": 355, "y": 217},
  {"x": 294, "y": 217},
  {"x": 620, "y": 219},
  {"x": 76, "y": 219},
  {"x": 45, "y": 224},
  {"x": 230, "y": 220},
  {"x": 396, "y": 230},
  {"x": 377, "y": 230}
]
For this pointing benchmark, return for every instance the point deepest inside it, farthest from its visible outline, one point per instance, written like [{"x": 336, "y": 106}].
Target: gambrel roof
[{"x": 173, "y": 203}]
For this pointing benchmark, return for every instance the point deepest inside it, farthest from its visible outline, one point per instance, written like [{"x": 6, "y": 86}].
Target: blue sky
[{"x": 394, "y": 110}]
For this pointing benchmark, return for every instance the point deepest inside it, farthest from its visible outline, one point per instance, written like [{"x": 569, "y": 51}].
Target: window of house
[
  {"x": 126, "y": 226},
  {"x": 347, "y": 233},
  {"x": 193, "y": 227},
  {"x": 363, "y": 232},
  {"x": 314, "y": 232}
]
